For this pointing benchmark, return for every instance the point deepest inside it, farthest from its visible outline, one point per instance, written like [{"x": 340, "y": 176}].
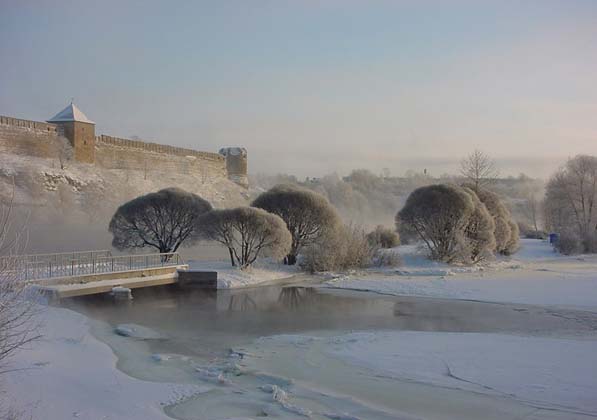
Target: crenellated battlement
[
  {"x": 29, "y": 124},
  {"x": 155, "y": 147}
]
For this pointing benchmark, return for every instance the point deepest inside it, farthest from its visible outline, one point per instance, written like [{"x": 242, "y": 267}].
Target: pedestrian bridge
[{"x": 72, "y": 274}]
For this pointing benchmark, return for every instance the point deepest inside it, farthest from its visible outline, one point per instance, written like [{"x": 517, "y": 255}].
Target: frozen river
[{"x": 305, "y": 352}]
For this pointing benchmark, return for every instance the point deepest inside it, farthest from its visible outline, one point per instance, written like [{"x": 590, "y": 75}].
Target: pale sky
[{"x": 312, "y": 87}]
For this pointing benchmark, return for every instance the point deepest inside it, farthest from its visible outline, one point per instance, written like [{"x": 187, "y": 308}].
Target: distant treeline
[{"x": 368, "y": 199}]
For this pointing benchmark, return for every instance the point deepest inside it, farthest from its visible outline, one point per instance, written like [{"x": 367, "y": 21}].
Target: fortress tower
[
  {"x": 236, "y": 164},
  {"x": 79, "y": 130}
]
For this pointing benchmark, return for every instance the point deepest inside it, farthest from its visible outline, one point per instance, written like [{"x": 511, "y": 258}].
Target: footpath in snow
[{"x": 534, "y": 275}]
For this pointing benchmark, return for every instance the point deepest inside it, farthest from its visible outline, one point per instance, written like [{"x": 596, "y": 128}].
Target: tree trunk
[
  {"x": 231, "y": 257},
  {"x": 290, "y": 259}
]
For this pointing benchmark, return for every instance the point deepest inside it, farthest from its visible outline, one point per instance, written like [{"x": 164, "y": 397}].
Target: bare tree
[
  {"x": 307, "y": 215},
  {"x": 164, "y": 220},
  {"x": 532, "y": 210},
  {"x": 247, "y": 232},
  {"x": 479, "y": 170},
  {"x": 64, "y": 152},
  {"x": 18, "y": 325}
]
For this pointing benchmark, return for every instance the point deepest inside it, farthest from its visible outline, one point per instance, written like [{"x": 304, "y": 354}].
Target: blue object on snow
[{"x": 553, "y": 238}]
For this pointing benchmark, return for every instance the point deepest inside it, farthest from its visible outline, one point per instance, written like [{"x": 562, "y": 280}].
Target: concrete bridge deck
[{"x": 93, "y": 284}]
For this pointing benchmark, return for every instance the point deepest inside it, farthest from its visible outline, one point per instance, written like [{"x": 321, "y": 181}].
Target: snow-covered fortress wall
[
  {"x": 45, "y": 140},
  {"x": 118, "y": 153},
  {"x": 31, "y": 138}
]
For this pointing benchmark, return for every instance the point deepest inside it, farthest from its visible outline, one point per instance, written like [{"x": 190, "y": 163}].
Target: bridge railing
[
  {"x": 60, "y": 256},
  {"x": 19, "y": 261},
  {"x": 96, "y": 265}
]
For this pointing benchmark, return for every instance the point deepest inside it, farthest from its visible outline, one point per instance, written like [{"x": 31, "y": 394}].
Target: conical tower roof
[{"x": 70, "y": 113}]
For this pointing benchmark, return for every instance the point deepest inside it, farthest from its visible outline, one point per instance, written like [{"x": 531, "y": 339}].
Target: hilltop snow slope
[{"x": 534, "y": 275}]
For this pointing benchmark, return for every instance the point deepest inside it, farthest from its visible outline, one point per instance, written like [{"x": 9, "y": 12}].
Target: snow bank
[
  {"x": 70, "y": 374},
  {"x": 231, "y": 277},
  {"x": 550, "y": 372},
  {"x": 535, "y": 275}
]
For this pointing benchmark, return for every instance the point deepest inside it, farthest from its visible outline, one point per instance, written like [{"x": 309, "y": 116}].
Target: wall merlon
[
  {"x": 30, "y": 124},
  {"x": 156, "y": 147}
]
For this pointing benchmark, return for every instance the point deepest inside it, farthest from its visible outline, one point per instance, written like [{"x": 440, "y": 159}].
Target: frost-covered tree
[
  {"x": 346, "y": 247},
  {"x": 439, "y": 215},
  {"x": 63, "y": 152},
  {"x": 506, "y": 230},
  {"x": 570, "y": 204},
  {"x": 247, "y": 233},
  {"x": 163, "y": 220},
  {"x": 479, "y": 232},
  {"x": 514, "y": 241},
  {"x": 383, "y": 237},
  {"x": 307, "y": 214}
]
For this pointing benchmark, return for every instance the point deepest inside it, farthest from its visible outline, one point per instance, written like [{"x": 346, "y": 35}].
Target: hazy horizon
[{"x": 311, "y": 88}]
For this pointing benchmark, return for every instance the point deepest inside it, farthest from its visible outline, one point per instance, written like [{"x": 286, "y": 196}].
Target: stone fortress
[{"x": 70, "y": 134}]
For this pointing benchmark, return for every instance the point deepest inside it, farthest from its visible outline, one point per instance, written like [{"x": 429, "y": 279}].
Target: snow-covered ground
[
  {"x": 262, "y": 272},
  {"x": 534, "y": 275},
  {"x": 70, "y": 374},
  {"x": 543, "y": 371}
]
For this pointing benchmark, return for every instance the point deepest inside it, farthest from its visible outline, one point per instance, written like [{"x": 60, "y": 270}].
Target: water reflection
[
  {"x": 214, "y": 315},
  {"x": 241, "y": 303},
  {"x": 294, "y": 297}
]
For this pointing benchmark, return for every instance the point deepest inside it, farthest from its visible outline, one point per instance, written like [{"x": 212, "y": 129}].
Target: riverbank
[
  {"x": 262, "y": 272},
  {"x": 535, "y": 275},
  {"x": 70, "y": 374}
]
